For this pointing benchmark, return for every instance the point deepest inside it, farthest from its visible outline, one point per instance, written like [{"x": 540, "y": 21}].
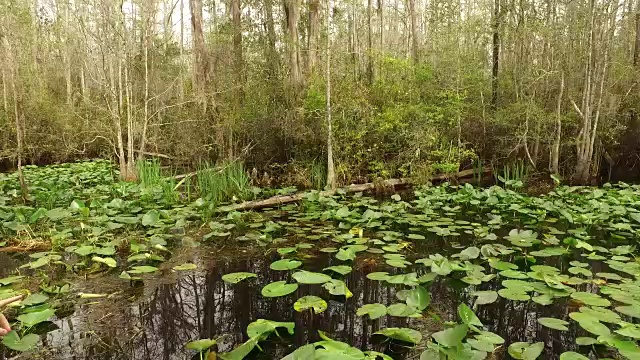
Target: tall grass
[
  {"x": 221, "y": 183},
  {"x": 151, "y": 179},
  {"x": 318, "y": 175}
]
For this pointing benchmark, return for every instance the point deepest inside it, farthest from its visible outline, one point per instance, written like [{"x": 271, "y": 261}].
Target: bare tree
[
  {"x": 331, "y": 172},
  {"x": 292, "y": 12},
  {"x": 200, "y": 58}
]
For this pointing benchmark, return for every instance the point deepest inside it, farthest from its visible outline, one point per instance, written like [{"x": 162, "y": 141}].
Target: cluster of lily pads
[
  {"x": 512, "y": 238},
  {"x": 483, "y": 235}
]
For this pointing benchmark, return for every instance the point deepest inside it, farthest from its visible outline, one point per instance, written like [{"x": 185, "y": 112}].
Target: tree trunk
[
  {"x": 273, "y": 59},
  {"x": 148, "y": 29},
  {"x": 181, "y": 49},
  {"x": 636, "y": 50},
  {"x": 495, "y": 55},
  {"x": 314, "y": 33},
  {"x": 555, "y": 150},
  {"x": 331, "y": 173},
  {"x": 414, "y": 32},
  {"x": 13, "y": 70},
  {"x": 292, "y": 11},
  {"x": 5, "y": 101},
  {"x": 353, "y": 36},
  {"x": 237, "y": 51},
  {"x": 67, "y": 51},
  {"x": 200, "y": 59},
  {"x": 370, "y": 59}
]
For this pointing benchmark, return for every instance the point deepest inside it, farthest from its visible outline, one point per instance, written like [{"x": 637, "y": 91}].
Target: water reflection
[{"x": 201, "y": 305}]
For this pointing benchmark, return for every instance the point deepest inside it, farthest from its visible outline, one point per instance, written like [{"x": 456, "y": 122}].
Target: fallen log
[{"x": 286, "y": 199}]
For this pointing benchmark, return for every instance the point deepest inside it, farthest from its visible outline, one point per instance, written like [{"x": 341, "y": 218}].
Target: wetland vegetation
[{"x": 115, "y": 269}]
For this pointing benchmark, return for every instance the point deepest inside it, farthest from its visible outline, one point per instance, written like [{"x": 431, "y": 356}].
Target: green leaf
[
  {"x": 485, "y": 346},
  {"x": 525, "y": 351},
  {"x": 401, "y": 334},
  {"x": 150, "y": 218},
  {"x": 35, "y": 318},
  {"x": 378, "y": 276},
  {"x": 418, "y": 298},
  {"x": 285, "y": 264},
  {"x": 201, "y": 345},
  {"x": 308, "y": 277},
  {"x": 553, "y": 323},
  {"x": 338, "y": 288},
  {"x": 451, "y": 337},
  {"x": 590, "y": 299},
  {"x": 570, "y": 355},
  {"x": 340, "y": 269},
  {"x": 234, "y": 278},
  {"x": 485, "y": 297},
  {"x": 586, "y": 341},
  {"x": 241, "y": 351},
  {"x": 278, "y": 288},
  {"x": 34, "y": 299},
  {"x": 513, "y": 294},
  {"x": 110, "y": 262},
  {"x": 142, "y": 269},
  {"x": 262, "y": 328},
  {"x": 305, "y": 352},
  {"x": 402, "y": 310},
  {"x": 468, "y": 316},
  {"x": 14, "y": 342},
  {"x": 373, "y": 310},
  {"x": 185, "y": 267},
  {"x": 310, "y": 302}
]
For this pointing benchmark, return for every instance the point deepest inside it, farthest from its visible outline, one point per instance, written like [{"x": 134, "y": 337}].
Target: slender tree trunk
[
  {"x": 636, "y": 50},
  {"x": 67, "y": 50},
  {"x": 5, "y": 101},
  {"x": 273, "y": 59},
  {"x": 354, "y": 41},
  {"x": 495, "y": 55},
  {"x": 555, "y": 152},
  {"x": 370, "y": 59},
  {"x": 181, "y": 49},
  {"x": 238, "y": 51},
  {"x": 331, "y": 172},
  {"x": 292, "y": 11},
  {"x": 200, "y": 59},
  {"x": 148, "y": 29},
  {"x": 414, "y": 32},
  {"x": 314, "y": 33},
  {"x": 13, "y": 71}
]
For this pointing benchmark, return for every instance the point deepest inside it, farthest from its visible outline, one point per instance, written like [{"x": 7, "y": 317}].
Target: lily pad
[
  {"x": 278, "y": 288},
  {"x": 310, "y": 302},
  {"x": 234, "y": 278}
]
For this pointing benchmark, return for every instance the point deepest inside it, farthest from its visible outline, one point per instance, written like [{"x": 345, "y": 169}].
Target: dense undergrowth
[{"x": 498, "y": 241}]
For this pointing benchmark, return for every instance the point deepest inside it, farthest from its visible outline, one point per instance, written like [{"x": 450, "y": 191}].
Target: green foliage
[{"x": 222, "y": 183}]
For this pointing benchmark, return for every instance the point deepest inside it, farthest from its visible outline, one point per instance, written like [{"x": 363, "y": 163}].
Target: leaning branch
[{"x": 286, "y": 199}]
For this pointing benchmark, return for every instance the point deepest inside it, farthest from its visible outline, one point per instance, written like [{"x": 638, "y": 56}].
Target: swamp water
[{"x": 516, "y": 261}]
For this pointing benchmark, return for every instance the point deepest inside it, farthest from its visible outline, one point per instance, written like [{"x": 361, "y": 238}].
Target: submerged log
[{"x": 392, "y": 183}]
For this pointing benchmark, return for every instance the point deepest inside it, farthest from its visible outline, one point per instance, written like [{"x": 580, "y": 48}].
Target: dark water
[{"x": 156, "y": 320}]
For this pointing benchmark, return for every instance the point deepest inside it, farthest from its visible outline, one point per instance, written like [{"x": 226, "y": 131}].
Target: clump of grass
[
  {"x": 149, "y": 172},
  {"x": 224, "y": 182},
  {"x": 318, "y": 175},
  {"x": 152, "y": 180}
]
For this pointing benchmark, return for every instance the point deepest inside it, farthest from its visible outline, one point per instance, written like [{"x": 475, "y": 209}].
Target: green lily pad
[
  {"x": 13, "y": 341},
  {"x": 310, "y": 302},
  {"x": 373, "y": 310},
  {"x": 285, "y": 264},
  {"x": 234, "y": 278},
  {"x": 308, "y": 277},
  {"x": 553, "y": 323},
  {"x": 278, "y": 288},
  {"x": 402, "y": 334}
]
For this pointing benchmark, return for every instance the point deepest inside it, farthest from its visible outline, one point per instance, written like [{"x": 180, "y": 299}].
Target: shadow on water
[{"x": 180, "y": 309}]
